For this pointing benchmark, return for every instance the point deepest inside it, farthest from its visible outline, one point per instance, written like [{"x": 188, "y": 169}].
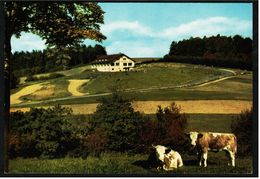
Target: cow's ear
[{"x": 199, "y": 135}]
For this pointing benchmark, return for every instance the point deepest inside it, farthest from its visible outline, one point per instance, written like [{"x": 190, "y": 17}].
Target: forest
[
  {"x": 53, "y": 59},
  {"x": 221, "y": 51}
]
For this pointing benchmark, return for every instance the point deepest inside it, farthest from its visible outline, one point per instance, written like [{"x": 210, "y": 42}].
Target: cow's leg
[
  {"x": 228, "y": 156},
  {"x": 232, "y": 157},
  {"x": 179, "y": 162},
  {"x": 205, "y": 156},
  {"x": 200, "y": 158}
]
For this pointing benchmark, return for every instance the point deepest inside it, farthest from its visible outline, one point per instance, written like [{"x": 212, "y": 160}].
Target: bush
[
  {"x": 46, "y": 132},
  {"x": 120, "y": 123},
  {"x": 95, "y": 142},
  {"x": 242, "y": 127},
  {"x": 172, "y": 125},
  {"x": 168, "y": 129},
  {"x": 51, "y": 76}
]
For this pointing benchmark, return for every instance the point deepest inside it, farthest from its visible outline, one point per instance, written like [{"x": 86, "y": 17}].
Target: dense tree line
[
  {"x": 28, "y": 63},
  {"x": 234, "y": 52},
  {"x": 114, "y": 127}
]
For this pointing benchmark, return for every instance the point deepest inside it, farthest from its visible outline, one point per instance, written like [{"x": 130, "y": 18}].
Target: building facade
[{"x": 113, "y": 63}]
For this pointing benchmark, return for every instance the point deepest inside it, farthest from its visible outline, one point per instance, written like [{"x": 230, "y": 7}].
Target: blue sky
[{"x": 147, "y": 29}]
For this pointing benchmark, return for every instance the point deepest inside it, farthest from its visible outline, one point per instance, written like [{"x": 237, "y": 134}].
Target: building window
[
  {"x": 125, "y": 64},
  {"x": 129, "y": 64},
  {"x": 112, "y": 69},
  {"x": 124, "y": 58},
  {"x": 112, "y": 64},
  {"x": 117, "y": 64}
]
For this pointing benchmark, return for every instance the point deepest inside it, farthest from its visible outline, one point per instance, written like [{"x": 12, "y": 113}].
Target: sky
[{"x": 148, "y": 29}]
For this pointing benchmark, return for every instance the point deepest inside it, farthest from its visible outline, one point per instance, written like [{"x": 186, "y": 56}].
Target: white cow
[{"x": 170, "y": 159}]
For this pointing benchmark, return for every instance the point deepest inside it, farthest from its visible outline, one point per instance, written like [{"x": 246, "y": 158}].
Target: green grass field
[
  {"x": 145, "y": 82},
  {"x": 116, "y": 164}
]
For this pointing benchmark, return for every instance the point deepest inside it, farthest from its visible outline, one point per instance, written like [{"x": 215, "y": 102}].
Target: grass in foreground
[{"x": 126, "y": 164}]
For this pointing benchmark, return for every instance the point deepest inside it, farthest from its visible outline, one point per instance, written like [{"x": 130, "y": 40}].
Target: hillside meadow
[
  {"x": 211, "y": 98},
  {"x": 149, "y": 82}
]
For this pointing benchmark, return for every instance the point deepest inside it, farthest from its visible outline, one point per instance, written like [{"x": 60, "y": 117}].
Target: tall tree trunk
[{"x": 8, "y": 53}]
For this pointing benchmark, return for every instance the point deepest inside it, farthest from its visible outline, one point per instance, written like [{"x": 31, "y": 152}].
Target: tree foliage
[
  {"x": 217, "y": 50},
  {"x": 242, "y": 127},
  {"x": 61, "y": 24},
  {"x": 41, "y": 132},
  {"x": 49, "y": 60},
  {"x": 120, "y": 123},
  {"x": 168, "y": 129}
]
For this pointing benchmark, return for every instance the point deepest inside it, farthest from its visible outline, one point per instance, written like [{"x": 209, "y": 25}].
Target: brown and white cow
[{"x": 211, "y": 141}]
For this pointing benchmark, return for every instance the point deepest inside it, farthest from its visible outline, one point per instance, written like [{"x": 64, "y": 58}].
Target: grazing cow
[
  {"x": 167, "y": 158},
  {"x": 210, "y": 141}
]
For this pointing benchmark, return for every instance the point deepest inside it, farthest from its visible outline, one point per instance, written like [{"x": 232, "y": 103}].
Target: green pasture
[
  {"x": 149, "y": 76},
  {"x": 126, "y": 164},
  {"x": 155, "y": 81}
]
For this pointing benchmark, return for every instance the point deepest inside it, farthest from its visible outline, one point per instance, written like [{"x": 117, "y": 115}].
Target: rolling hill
[{"x": 165, "y": 82}]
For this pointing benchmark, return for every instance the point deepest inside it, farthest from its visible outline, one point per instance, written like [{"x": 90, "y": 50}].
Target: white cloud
[
  {"x": 208, "y": 26},
  {"x": 198, "y": 27},
  {"x": 138, "y": 48},
  {"x": 27, "y": 42},
  {"x": 134, "y": 27},
  {"x": 142, "y": 41}
]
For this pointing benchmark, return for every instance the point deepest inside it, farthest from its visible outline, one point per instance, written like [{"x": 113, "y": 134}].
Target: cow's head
[
  {"x": 160, "y": 151},
  {"x": 193, "y": 137}
]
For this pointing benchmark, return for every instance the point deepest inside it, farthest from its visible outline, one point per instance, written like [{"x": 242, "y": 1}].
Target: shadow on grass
[
  {"x": 190, "y": 162},
  {"x": 142, "y": 163}
]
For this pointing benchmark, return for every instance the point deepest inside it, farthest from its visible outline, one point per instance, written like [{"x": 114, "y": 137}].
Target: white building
[{"x": 113, "y": 63}]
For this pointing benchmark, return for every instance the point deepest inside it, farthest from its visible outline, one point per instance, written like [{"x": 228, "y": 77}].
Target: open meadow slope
[
  {"x": 211, "y": 98},
  {"x": 195, "y": 87}
]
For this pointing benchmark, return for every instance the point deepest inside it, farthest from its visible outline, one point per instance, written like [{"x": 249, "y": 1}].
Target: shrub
[
  {"x": 51, "y": 76},
  {"x": 148, "y": 135},
  {"x": 117, "y": 118},
  {"x": 95, "y": 142},
  {"x": 172, "y": 125},
  {"x": 242, "y": 127},
  {"x": 46, "y": 131}
]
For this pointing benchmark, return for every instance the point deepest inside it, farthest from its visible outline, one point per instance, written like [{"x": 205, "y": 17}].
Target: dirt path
[
  {"x": 215, "y": 81},
  {"x": 15, "y": 98},
  {"x": 74, "y": 85},
  {"x": 191, "y": 106}
]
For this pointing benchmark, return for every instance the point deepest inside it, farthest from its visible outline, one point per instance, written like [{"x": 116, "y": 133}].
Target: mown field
[{"x": 159, "y": 81}]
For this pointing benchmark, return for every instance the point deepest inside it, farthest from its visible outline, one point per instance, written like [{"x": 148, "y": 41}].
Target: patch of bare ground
[
  {"x": 45, "y": 91},
  {"x": 74, "y": 86},
  {"x": 191, "y": 106},
  {"x": 15, "y": 98}
]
